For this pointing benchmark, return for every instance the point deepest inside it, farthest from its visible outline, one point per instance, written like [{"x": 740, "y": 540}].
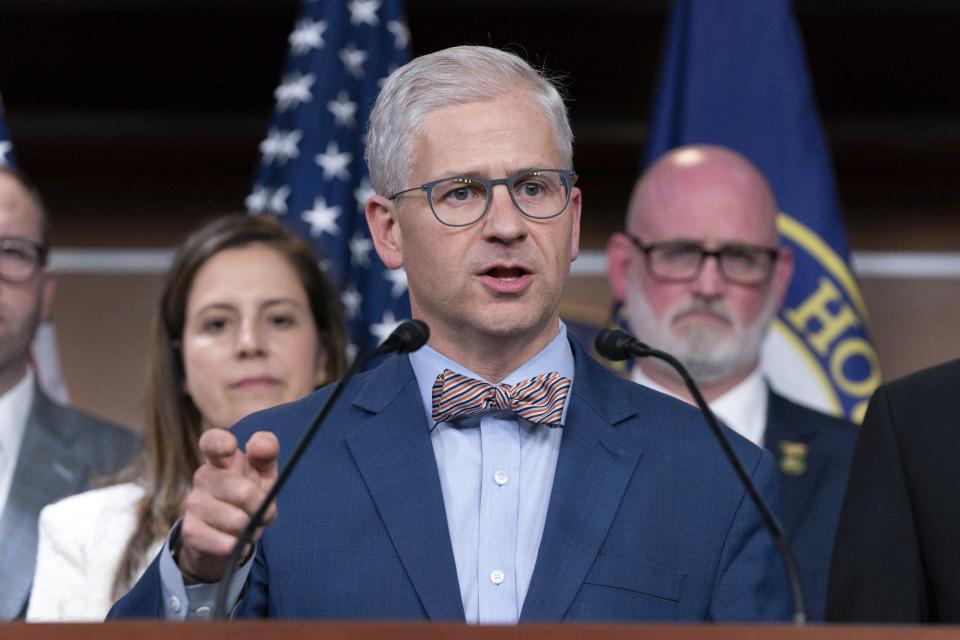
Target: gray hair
[{"x": 458, "y": 75}]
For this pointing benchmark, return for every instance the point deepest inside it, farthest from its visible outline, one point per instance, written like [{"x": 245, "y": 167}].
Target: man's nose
[
  {"x": 710, "y": 282},
  {"x": 503, "y": 222}
]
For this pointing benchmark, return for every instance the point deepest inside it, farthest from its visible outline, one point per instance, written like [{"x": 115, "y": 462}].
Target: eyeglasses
[
  {"x": 681, "y": 261},
  {"x": 459, "y": 201},
  {"x": 20, "y": 259}
]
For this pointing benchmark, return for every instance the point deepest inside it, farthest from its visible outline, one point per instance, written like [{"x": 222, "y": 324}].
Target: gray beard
[{"x": 709, "y": 353}]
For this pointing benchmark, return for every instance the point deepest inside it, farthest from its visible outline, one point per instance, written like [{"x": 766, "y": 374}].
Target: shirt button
[
  {"x": 497, "y": 576},
  {"x": 501, "y": 477},
  {"x": 202, "y": 612},
  {"x": 174, "y": 604}
]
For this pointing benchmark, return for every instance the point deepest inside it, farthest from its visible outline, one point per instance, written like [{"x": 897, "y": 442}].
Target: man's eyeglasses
[
  {"x": 21, "y": 259},
  {"x": 680, "y": 261},
  {"x": 459, "y": 201}
]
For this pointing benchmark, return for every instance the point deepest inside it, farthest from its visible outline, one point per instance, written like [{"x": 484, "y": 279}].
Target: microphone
[
  {"x": 614, "y": 344},
  {"x": 409, "y": 336}
]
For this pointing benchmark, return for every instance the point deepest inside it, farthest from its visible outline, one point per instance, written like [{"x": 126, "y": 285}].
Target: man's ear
[
  {"x": 576, "y": 204},
  {"x": 48, "y": 286},
  {"x": 385, "y": 230},
  {"x": 783, "y": 274},
  {"x": 618, "y": 265}
]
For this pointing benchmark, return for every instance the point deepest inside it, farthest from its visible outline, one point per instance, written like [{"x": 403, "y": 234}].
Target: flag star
[
  {"x": 307, "y": 35},
  {"x": 294, "y": 90},
  {"x": 360, "y": 250},
  {"x": 322, "y": 219},
  {"x": 257, "y": 201},
  {"x": 352, "y": 299},
  {"x": 334, "y": 163},
  {"x": 398, "y": 277},
  {"x": 385, "y": 327},
  {"x": 353, "y": 59},
  {"x": 351, "y": 352},
  {"x": 400, "y": 33},
  {"x": 278, "y": 201},
  {"x": 280, "y": 146},
  {"x": 5, "y": 147},
  {"x": 364, "y": 12},
  {"x": 344, "y": 110},
  {"x": 362, "y": 193}
]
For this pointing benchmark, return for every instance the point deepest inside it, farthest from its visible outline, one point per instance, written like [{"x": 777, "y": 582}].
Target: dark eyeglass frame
[
  {"x": 19, "y": 243},
  {"x": 567, "y": 175},
  {"x": 717, "y": 254}
]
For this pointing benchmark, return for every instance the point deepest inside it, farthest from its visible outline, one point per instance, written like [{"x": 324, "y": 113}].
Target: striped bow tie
[{"x": 539, "y": 400}]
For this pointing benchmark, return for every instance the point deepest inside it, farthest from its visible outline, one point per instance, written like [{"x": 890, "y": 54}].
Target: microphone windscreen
[
  {"x": 409, "y": 336},
  {"x": 614, "y": 344}
]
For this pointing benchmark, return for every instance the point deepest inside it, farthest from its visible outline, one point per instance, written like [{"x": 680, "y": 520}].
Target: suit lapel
[
  {"x": 801, "y": 467},
  {"x": 47, "y": 470},
  {"x": 393, "y": 452},
  {"x": 593, "y": 469}
]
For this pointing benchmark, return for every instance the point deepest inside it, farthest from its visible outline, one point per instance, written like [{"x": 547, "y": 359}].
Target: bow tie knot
[{"x": 539, "y": 400}]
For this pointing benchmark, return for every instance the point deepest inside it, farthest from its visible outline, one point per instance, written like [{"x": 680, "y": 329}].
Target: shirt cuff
[{"x": 196, "y": 601}]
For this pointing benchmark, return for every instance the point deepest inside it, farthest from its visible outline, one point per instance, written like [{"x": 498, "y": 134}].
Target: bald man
[{"x": 701, "y": 272}]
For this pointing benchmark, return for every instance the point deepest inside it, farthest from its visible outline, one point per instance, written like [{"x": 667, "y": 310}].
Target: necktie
[{"x": 539, "y": 400}]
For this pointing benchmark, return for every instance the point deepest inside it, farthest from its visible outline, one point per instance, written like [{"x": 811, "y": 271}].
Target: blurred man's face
[
  {"x": 22, "y": 304},
  {"x": 714, "y": 326}
]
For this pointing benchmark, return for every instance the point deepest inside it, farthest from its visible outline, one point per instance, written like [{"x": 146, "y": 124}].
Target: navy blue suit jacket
[
  {"x": 646, "y": 521},
  {"x": 812, "y": 484}
]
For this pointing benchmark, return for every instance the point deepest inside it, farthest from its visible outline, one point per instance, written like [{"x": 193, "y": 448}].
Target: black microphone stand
[
  {"x": 630, "y": 346},
  {"x": 409, "y": 336}
]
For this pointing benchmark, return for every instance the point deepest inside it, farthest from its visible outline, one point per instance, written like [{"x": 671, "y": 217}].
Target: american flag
[
  {"x": 6, "y": 148},
  {"x": 312, "y": 174}
]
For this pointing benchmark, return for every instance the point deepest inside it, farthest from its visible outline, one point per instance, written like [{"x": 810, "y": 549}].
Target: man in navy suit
[
  {"x": 499, "y": 474},
  {"x": 706, "y": 201}
]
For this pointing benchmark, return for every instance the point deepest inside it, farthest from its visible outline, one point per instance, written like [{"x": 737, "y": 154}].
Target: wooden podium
[{"x": 265, "y": 630}]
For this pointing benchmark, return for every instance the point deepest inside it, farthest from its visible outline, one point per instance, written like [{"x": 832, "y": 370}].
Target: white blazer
[{"x": 81, "y": 541}]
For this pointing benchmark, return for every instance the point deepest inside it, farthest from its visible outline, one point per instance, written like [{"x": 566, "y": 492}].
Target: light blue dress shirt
[{"x": 496, "y": 474}]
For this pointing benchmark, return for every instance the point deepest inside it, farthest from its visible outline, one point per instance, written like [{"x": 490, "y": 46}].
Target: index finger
[{"x": 218, "y": 447}]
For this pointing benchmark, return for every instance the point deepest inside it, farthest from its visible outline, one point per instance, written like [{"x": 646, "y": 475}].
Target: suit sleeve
[
  {"x": 876, "y": 574},
  {"x": 751, "y": 584}
]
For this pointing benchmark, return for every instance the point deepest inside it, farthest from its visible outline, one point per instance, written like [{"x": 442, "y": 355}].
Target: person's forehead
[
  {"x": 462, "y": 134},
  {"x": 17, "y": 215},
  {"x": 710, "y": 205}
]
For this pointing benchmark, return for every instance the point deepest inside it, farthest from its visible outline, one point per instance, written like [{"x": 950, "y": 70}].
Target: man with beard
[
  {"x": 47, "y": 451},
  {"x": 701, "y": 274}
]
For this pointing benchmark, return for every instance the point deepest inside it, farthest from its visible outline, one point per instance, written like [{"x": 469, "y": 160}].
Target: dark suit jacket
[
  {"x": 62, "y": 450},
  {"x": 897, "y": 556},
  {"x": 646, "y": 521},
  {"x": 813, "y": 451}
]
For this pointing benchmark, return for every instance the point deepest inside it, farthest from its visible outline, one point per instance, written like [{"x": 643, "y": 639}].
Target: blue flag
[
  {"x": 312, "y": 174},
  {"x": 6, "y": 147},
  {"x": 735, "y": 74}
]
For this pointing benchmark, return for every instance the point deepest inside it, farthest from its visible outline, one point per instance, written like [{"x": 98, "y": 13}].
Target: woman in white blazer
[{"x": 247, "y": 321}]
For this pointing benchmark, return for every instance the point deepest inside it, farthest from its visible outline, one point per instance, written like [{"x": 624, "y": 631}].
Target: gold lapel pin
[{"x": 793, "y": 457}]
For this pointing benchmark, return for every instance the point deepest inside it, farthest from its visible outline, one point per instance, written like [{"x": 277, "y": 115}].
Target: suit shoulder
[
  {"x": 938, "y": 382},
  {"x": 823, "y": 424}
]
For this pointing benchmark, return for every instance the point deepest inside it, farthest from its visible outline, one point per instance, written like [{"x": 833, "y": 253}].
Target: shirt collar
[
  {"x": 15, "y": 406},
  {"x": 557, "y": 356},
  {"x": 743, "y": 408}
]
